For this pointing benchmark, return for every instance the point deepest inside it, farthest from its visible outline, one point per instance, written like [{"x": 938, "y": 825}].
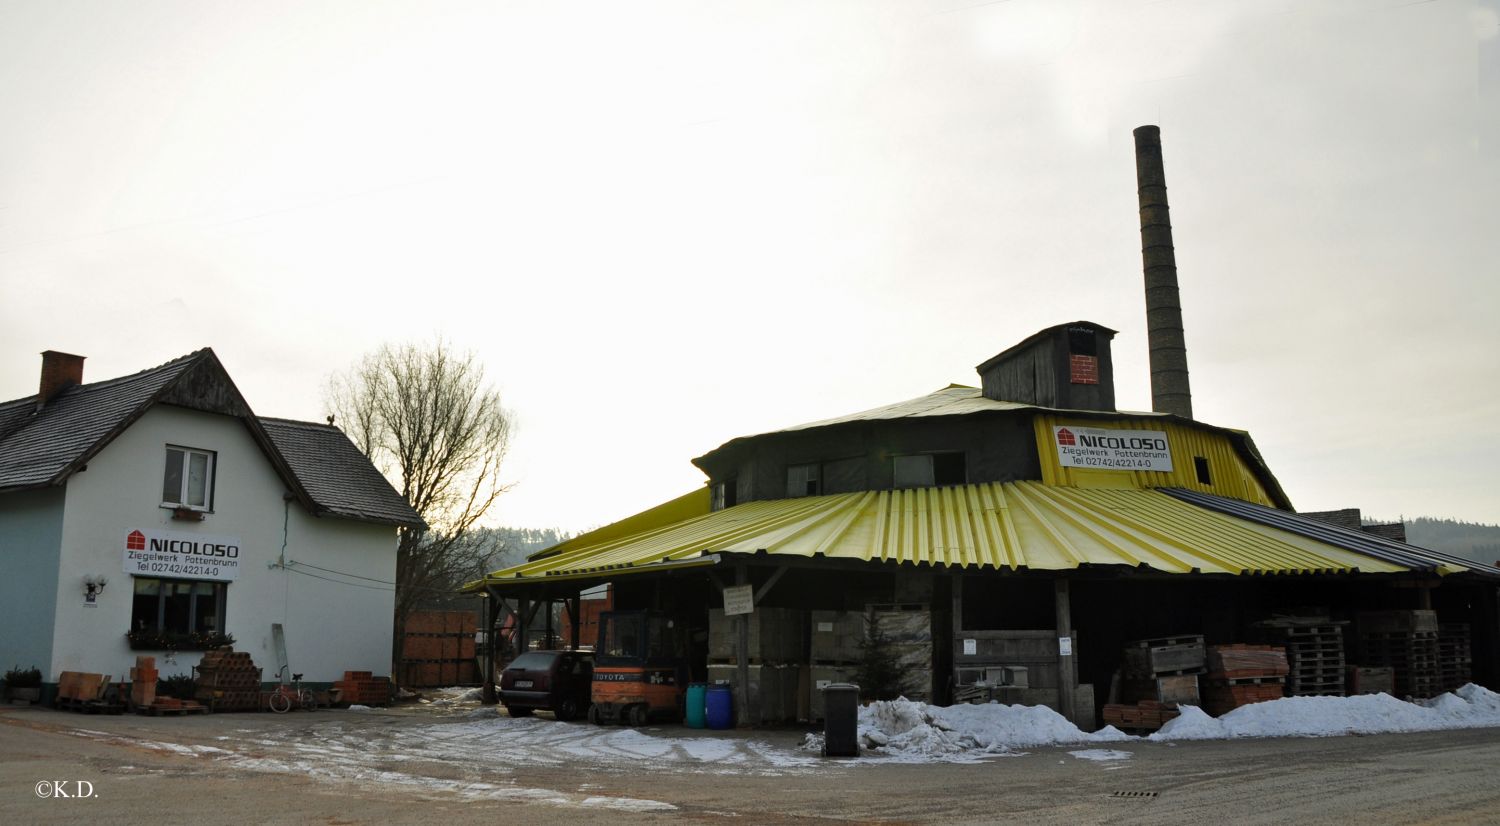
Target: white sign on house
[
  {"x": 176, "y": 555},
  {"x": 1111, "y": 449},
  {"x": 739, "y": 599}
]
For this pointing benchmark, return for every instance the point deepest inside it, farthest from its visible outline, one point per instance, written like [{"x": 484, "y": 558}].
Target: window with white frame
[{"x": 189, "y": 478}]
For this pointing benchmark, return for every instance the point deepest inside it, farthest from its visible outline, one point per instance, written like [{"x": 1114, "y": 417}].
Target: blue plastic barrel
[
  {"x": 720, "y": 707},
  {"x": 697, "y": 705}
]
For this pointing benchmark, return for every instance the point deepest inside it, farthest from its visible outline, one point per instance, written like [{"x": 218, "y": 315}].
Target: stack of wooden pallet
[
  {"x": 363, "y": 688},
  {"x": 1314, "y": 652},
  {"x": 1455, "y": 663},
  {"x": 1242, "y": 674},
  {"x": 87, "y": 692},
  {"x": 228, "y": 680},
  {"x": 1157, "y": 675},
  {"x": 1406, "y": 641}
]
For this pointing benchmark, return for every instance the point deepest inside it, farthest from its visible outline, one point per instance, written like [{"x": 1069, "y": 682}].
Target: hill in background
[{"x": 1470, "y": 540}]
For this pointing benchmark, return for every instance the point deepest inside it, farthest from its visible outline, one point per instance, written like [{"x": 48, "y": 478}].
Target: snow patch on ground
[
  {"x": 1469, "y": 707},
  {"x": 628, "y": 804},
  {"x": 1101, "y": 754}
]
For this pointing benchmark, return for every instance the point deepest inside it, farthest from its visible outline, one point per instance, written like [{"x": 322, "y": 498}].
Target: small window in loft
[
  {"x": 725, "y": 495},
  {"x": 925, "y": 470},
  {"x": 1200, "y": 464},
  {"x": 188, "y": 480},
  {"x": 1082, "y": 342},
  {"x": 803, "y": 480}
]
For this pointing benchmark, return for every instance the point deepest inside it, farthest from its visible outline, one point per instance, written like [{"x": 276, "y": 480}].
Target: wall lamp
[{"x": 93, "y": 586}]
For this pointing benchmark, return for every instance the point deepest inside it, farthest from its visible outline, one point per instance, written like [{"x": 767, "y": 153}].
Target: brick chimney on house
[{"x": 59, "y": 372}]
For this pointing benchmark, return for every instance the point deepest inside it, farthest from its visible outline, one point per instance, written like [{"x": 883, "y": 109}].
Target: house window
[
  {"x": 725, "y": 495},
  {"x": 177, "y": 606},
  {"x": 926, "y": 470},
  {"x": 189, "y": 478},
  {"x": 803, "y": 480},
  {"x": 1200, "y": 465}
]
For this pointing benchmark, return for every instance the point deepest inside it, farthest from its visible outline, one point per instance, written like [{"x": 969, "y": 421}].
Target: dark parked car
[{"x": 556, "y": 681}]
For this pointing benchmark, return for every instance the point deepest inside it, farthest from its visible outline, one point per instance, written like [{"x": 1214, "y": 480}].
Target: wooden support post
[
  {"x": 550, "y": 643},
  {"x": 742, "y": 650},
  {"x": 523, "y": 625},
  {"x": 1067, "y": 664},
  {"x": 575, "y": 614},
  {"x": 487, "y": 695},
  {"x": 958, "y": 633}
]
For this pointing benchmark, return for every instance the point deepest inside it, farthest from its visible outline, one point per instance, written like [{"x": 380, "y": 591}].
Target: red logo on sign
[
  {"x": 1065, "y": 437},
  {"x": 136, "y": 541}
]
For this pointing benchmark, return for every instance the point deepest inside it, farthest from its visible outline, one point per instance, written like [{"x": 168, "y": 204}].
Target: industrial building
[{"x": 1021, "y": 532}]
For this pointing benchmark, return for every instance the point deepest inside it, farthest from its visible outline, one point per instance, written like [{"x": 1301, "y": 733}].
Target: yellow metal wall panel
[{"x": 1228, "y": 472}]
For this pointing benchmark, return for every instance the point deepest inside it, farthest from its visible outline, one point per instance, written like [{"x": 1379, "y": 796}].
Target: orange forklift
[{"x": 640, "y": 672}]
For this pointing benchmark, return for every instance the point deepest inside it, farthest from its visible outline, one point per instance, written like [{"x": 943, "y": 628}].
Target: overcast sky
[{"x": 664, "y": 225}]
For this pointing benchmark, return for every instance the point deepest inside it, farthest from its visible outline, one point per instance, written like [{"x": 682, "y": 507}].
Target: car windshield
[{"x": 533, "y": 660}]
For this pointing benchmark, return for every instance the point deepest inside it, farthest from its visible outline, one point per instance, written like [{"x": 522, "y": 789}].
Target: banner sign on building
[
  {"x": 175, "y": 555},
  {"x": 1109, "y": 449}
]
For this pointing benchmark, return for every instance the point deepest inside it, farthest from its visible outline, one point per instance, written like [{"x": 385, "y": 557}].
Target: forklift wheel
[
  {"x": 594, "y": 716},
  {"x": 637, "y": 715}
]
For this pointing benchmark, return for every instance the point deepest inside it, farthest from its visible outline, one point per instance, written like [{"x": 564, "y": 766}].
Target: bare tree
[{"x": 425, "y": 417}]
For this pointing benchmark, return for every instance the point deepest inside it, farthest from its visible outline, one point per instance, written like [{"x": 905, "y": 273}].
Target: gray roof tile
[{"x": 337, "y": 476}]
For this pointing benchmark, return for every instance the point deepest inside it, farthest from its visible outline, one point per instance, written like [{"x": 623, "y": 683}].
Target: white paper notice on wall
[
  {"x": 971, "y": 647},
  {"x": 1064, "y": 646},
  {"x": 825, "y": 628},
  {"x": 739, "y": 599}
]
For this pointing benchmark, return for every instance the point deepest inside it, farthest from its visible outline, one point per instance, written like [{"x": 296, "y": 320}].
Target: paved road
[{"x": 342, "y": 768}]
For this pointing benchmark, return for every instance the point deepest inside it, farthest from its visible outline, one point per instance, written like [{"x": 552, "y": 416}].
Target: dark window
[
  {"x": 725, "y": 495},
  {"x": 1200, "y": 464},
  {"x": 1082, "y": 342},
  {"x": 622, "y": 636},
  {"x": 178, "y": 606},
  {"x": 925, "y": 470},
  {"x": 188, "y": 480},
  {"x": 803, "y": 480}
]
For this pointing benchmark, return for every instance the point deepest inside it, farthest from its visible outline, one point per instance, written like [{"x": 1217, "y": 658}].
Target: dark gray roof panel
[
  {"x": 39, "y": 448},
  {"x": 336, "y": 475},
  {"x": 1358, "y": 541}
]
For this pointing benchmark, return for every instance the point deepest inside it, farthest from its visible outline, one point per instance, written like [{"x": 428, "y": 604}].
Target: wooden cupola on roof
[{"x": 1067, "y": 367}]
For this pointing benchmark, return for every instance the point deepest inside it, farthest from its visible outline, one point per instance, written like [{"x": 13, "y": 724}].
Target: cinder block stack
[
  {"x": 363, "y": 688},
  {"x": 1242, "y": 674},
  {"x": 143, "y": 682},
  {"x": 1455, "y": 660},
  {"x": 1406, "y": 641},
  {"x": 228, "y": 680}
]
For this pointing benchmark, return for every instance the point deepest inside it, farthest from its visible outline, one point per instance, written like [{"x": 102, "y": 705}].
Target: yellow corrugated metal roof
[{"x": 991, "y": 525}]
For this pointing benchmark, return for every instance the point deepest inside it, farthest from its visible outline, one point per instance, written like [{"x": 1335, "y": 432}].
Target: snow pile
[
  {"x": 1469, "y": 707},
  {"x": 917, "y": 732}
]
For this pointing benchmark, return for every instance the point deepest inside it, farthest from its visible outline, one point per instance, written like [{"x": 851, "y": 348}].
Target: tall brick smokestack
[{"x": 1169, "y": 370}]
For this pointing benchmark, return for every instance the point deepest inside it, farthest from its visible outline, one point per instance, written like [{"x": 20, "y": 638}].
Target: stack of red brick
[
  {"x": 1240, "y": 674},
  {"x": 1146, "y": 714},
  {"x": 228, "y": 681},
  {"x": 363, "y": 688},
  {"x": 143, "y": 682}
]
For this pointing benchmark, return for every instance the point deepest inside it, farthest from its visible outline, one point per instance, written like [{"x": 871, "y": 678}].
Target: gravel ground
[{"x": 340, "y": 767}]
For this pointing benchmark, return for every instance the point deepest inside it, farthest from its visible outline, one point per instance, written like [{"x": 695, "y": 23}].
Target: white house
[{"x": 152, "y": 513}]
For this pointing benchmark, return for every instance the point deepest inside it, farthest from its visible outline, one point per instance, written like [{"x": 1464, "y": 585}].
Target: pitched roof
[
  {"x": 337, "y": 476},
  {"x": 40, "y": 448},
  {"x": 990, "y": 525},
  {"x": 43, "y": 447}
]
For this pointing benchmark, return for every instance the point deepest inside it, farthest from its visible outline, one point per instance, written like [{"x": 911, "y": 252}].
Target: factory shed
[{"x": 1025, "y": 541}]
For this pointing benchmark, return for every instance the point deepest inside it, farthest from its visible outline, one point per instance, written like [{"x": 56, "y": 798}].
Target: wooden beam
[
  {"x": 487, "y": 695},
  {"x": 760, "y": 593},
  {"x": 575, "y": 614},
  {"x": 742, "y": 649},
  {"x": 1067, "y": 664}
]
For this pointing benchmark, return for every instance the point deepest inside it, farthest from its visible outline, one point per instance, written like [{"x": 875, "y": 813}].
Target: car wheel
[
  {"x": 517, "y": 711},
  {"x": 594, "y": 716},
  {"x": 566, "y": 710},
  {"x": 638, "y": 716}
]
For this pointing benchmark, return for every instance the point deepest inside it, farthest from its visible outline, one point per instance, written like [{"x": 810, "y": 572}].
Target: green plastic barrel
[{"x": 697, "y": 705}]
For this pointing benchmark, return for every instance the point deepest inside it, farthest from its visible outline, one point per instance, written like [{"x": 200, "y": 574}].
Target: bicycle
[{"x": 284, "y": 698}]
